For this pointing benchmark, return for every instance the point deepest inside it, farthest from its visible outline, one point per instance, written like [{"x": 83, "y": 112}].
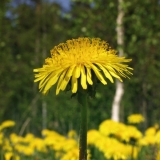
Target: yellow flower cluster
[
  {"x": 65, "y": 148},
  {"x": 109, "y": 146},
  {"x": 6, "y": 124},
  {"x": 112, "y": 139},
  {"x": 119, "y": 130},
  {"x": 151, "y": 136}
]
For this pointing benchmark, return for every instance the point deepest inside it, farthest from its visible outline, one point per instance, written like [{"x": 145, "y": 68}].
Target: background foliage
[{"x": 29, "y": 29}]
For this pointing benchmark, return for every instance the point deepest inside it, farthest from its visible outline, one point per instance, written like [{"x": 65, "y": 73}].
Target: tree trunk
[
  {"x": 120, "y": 43},
  {"x": 44, "y": 55},
  {"x": 37, "y": 52},
  {"x": 144, "y": 105}
]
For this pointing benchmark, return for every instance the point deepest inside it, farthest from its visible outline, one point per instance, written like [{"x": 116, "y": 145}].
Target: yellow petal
[
  {"x": 64, "y": 83},
  {"x": 83, "y": 78},
  {"x": 77, "y": 71},
  {"x": 57, "y": 91},
  {"x": 89, "y": 76},
  {"x": 61, "y": 79},
  {"x": 106, "y": 73},
  {"x": 98, "y": 74},
  {"x": 113, "y": 73},
  {"x": 64, "y": 79},
  {"x": 70, "y": 71},
  {"x": 74, "y": 84},
  {"x": 46, "y": 78},
  {"x": 75, "y": 75},
  {"x": 50, "y": 82},
  {"x": 42, "y": 76},
  {"x": 37, "y": 69}
]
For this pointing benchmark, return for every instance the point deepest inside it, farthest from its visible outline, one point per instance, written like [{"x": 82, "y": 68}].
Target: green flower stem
[
  {"x": 132, "y": 154},
  {"x": 133, "y": 143},
  {"x": 82, "y": 98}
]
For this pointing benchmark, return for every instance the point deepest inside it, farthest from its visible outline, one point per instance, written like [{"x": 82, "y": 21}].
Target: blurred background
[{"x": 29, "y": 29}]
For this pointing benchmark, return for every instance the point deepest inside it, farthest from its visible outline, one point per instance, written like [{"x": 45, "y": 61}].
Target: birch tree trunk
[{"x": 120, "y": 43}]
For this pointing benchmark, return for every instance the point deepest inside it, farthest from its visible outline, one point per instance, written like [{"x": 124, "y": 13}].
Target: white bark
[
  {"x": 120, "y": 42},
  {"x": 117, "y": 101}
]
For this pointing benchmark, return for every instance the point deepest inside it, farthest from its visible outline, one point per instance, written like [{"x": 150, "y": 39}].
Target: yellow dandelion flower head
[
  {"x": 78, "y": 61},
  {"x": 28, "y": 138},
  {"x": 14, "y": 138},
  {"x": 69, "y": 144},
  {"x": 6, "y": 124},
  {"x": 151, "y": 131},
  {"x": 111, "y": 127},
  {"x": 72, "y": 154},
  {"x": 131, "y": 133},
  {"x": 72, "y": 134},
  {"x": 135, "y": 118},
  {"x": 158, "y": 156},
  {"x": 147, "y": 140},
  {"x": 8, "y": 155},
  {"x": 38, "y": 144},
  {"x": 93, "y": 136},
  {"x": 158, "y": 137}
]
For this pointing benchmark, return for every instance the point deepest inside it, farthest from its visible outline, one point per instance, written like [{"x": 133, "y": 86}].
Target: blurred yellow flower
[
  {"x": 157, "y": 136},
  {"x": 151, "y": 131},
  {"x": 1, "y": 138},
  {"x": 69, "y": 144},
  {"x": 118, "y": 150},
  {"x": 53, "y": 139},
  {"x": 110, "y": 147},
  {"x": 92, "y": 136},
  {"x": 72, "y": 134},
  {"x": 131, "y": 133},
  {"x": 135, "y": 118},
  {"x": 151, "y": 137},
  {"x": 73, "y": 154},
  {"x": 38, "y": 144},
  {"x": 6, "y": 124},
  {"x": 28, "y": 138},
  {"x": 24, "y": 149},
  {"x": 58, "y": 142},
  {"x": 110, "y": 127},
  {"x": 147, "y": 140},
  {"x": 10, "y": 156},
  {"x": 47, "y": 132},
  {"x": 14, "y": 138},
  {"x": 158, "y": 155},
  {"x": 6, "y": 145},
  {"x": 79, "y": 60}
]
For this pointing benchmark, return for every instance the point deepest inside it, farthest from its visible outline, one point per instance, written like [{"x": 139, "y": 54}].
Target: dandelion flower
[
  {"x": 6, "y": 124},
  {"x": 131, "y": 133},
  {"x": 77, "y": 62},
  {"x": 135, "y": 118},
  {"x": 151, "y": 131},
  {"x": 72, "y": 134}
]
